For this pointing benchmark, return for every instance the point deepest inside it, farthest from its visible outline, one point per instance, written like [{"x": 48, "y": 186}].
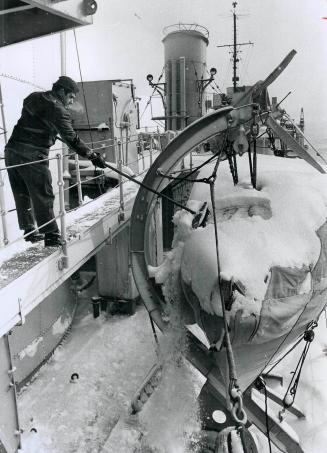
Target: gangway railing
[{"x": 61, "y": 216}]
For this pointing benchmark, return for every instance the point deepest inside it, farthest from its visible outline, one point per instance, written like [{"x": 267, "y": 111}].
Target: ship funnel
[{"x": 185, "y": 49}]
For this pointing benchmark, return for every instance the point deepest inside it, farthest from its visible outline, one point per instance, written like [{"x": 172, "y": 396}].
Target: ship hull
[{"x": 32, "y": 343}]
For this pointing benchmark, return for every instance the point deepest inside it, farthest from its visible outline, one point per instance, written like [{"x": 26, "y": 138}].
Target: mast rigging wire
[
  {"x": 86, "y": 109},
  {"x": 83, "y": 90},
  {"x": 17, "y": 79}
]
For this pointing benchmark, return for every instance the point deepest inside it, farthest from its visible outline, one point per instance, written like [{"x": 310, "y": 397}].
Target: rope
[
  {"x": 229, "y": 349},
  {"x": 266, "y": 417},
  {"x": 17, "y": 79},
  {"x": 83, "y": 90},
  {"x": 147, "y": 104},
  {"x": 293, "y": 385},
  {"x": 183, "y": 178},
  {"x": 152, "y": 95},
  {"x": 28, "y": 163},
  {"x": 285, "y": 355},
  {"x": 285, "y": 338},
  {"x": 85, "y": 103},
  {"x": 159, "y": 194},
  {"x": 196, "y": 169}
]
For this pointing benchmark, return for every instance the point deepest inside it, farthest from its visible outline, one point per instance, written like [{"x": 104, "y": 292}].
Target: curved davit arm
[{"x": 192, "y": 136}]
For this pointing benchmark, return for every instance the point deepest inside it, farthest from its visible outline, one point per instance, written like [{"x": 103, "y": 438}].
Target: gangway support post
[
  {"x": 62, "y": 213},
  {"x": 151, "y": 150},
  {"x": 3, "y": 211},
  {"x": 78, "y": 181}
]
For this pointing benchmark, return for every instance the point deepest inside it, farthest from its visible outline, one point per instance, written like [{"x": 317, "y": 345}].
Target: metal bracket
[
  {"x": 63, "y": 263},
  {"x": 121, "y": 216},
  {"x": 109, "y": 238},
  {"x": 21, "y": 314}
]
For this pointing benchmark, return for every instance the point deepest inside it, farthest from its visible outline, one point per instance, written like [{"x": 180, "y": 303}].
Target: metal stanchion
[
  {"x": 3, "y": 212},
  {"x": 121, "y": 215},
  {"x": 151, "y": 145},
  {"x": 142, "y": 154},
  {"x": 78, "y": 180},
  {"x": 4, "y": 127},
  {"x": 64, "y": 260},
  {"x": 159, "y": 140},
  {"x": 126, "y": 148},
  {"x": 191, "y": 160}
]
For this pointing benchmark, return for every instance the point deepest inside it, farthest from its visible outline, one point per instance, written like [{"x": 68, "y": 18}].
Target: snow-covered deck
[{"x": 29, "y": 273}]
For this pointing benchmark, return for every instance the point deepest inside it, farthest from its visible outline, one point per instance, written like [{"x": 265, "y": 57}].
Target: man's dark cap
[{"x": 67, "y": 83}]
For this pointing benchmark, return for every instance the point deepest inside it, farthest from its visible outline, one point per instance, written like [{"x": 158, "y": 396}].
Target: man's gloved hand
[{"x": 97, "y": 160}]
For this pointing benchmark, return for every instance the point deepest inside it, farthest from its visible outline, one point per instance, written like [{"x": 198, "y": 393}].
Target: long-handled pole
[
  {"x": 3, "y": 211},
  {"x": 160, "y": 194}
]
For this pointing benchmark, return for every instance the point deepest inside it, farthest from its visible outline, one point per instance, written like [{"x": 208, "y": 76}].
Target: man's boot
[
  {"x": 33, "y": 237},
  {"x": 52, "y": 240}
]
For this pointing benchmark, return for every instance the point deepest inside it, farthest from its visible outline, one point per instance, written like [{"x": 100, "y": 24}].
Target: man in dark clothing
[{"x": 44, "y": 115}]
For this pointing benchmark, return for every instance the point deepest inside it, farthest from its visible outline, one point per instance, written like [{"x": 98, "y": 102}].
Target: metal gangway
[{"x": 30, "y": 275}]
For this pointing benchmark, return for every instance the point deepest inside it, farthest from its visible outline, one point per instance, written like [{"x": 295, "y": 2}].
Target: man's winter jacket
[{"x": 43, "y": 117}]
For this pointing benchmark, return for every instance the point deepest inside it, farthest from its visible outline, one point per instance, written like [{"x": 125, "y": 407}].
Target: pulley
[
  {"x": 309, "y": 335},
  {"x": 90, "y": 7}
]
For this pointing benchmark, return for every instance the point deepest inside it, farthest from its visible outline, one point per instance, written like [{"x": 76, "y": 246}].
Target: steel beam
[
  {"x": 292, "y": 144},
  {"x": 31, "y": 19}
]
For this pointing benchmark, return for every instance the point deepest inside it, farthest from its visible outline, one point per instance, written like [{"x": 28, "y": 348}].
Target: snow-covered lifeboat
[
  {"x": 272, "y": 248},
  {"x": 272, "y": 253},
  {"x": 265, "y": 273}
]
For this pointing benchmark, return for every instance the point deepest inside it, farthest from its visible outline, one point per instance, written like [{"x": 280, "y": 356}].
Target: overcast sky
[{"x": 125, "y": 42}]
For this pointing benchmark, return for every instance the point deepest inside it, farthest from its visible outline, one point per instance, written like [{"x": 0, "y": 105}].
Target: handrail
[
  {"x": 79, "y": 184},
  {"x": 129, "y": 140},
  {"x": 27, "y": 163}
]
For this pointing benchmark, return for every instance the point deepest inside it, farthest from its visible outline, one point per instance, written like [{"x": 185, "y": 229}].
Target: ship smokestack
[{"x": 185, "y": 49}]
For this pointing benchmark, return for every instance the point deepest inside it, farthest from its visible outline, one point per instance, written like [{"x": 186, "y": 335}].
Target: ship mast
[
  {"x": 235, "y": 52},
  {"x": 235, "y": 47}
]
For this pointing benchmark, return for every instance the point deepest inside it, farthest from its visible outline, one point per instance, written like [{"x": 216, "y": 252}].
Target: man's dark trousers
[{"x": 32, "y": 187}]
